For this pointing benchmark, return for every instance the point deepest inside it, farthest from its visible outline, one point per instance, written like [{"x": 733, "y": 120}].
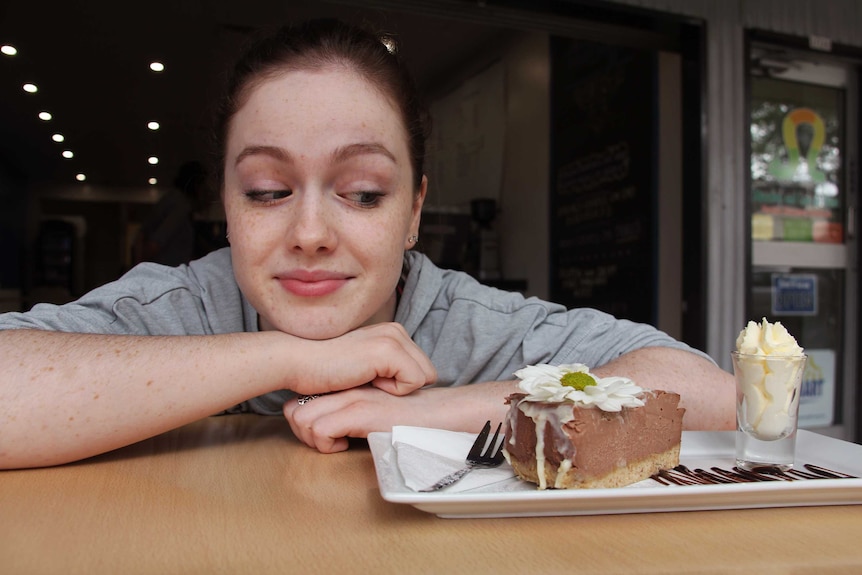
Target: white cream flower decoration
[{"x": 574, "y": 382}]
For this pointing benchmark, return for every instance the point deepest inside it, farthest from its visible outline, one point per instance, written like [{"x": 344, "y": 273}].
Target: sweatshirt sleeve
[
  {"x": 196, "y": 299},
  {"x": 474, "y": 333}
]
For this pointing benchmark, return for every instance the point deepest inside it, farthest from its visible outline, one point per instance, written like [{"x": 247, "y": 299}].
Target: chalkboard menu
[{"x": 603, "y": 178}]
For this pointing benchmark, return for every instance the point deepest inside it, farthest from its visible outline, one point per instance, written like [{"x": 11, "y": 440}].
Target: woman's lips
[{"x": 312, "y": 284}]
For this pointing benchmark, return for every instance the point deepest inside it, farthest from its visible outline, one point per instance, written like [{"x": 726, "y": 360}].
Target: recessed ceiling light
[
  {"x": 390, "y": 44},
  {"x": 45, "y": 116},
  {"x": 8, "y": 50},
  {"x": 67, "y": 154},
  {"x": 153, "y": 160},
  {"x": 153, "y": 125},
  {"x": 80, "y": 177},
  {"x": 58, "y": 137},
  {"x": 31, "y": 88},
  {"x": 157, "y": 67},
  {"x": 153, "y": 181}
]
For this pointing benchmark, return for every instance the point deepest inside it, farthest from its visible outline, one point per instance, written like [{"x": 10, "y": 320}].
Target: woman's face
[{"x": 319, "y": 202}]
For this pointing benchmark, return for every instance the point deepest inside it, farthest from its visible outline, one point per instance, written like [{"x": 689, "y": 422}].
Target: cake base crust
[{"x": 620, "y": 477}]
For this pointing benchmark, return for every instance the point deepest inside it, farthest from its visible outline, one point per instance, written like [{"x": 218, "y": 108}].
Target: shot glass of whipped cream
[{"x": 768, "y": 366}]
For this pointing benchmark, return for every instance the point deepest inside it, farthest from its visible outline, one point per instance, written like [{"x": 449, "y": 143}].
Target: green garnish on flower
[{"x": 577, "y": 379}]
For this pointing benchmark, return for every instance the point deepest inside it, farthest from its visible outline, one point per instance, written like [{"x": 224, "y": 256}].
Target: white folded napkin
[{"x": 424, "y": 456}]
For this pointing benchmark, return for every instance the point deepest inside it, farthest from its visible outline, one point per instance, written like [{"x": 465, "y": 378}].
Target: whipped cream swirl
[
  {"x": 767, "y": 338},
  {"x": 768, "y": 372},
  {"x": 543, "y": 382}
]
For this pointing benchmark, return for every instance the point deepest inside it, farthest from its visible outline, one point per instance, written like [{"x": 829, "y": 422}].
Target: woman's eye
[
  {"x": 365, "y": 199},
  {"x": 267, "y": 196}
]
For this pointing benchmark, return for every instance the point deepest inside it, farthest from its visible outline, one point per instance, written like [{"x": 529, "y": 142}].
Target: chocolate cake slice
[
  {"x": 572, "y": 429},
  {"x": 566, "y": 446}
]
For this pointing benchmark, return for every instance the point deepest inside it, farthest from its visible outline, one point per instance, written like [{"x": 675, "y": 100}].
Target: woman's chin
[
  {"x": 315, "y": 329},
  {"x": 317, "y": 335}
]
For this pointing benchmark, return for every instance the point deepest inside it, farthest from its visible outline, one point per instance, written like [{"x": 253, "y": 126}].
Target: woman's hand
[
  {"x": 382, "y": 355},
  {"x": 326, "y": 422}
]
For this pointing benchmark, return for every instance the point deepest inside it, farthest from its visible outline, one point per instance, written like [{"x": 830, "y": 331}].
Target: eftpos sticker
[{"x": 794, "y": 294}]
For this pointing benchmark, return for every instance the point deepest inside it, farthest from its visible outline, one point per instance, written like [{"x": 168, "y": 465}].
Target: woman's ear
[
  {"x": 419, "y": 198},
  {"x": 416, "y": 216}
]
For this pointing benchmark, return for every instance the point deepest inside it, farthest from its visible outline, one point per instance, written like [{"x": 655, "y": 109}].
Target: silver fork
[{"x": 479, "y": 456}]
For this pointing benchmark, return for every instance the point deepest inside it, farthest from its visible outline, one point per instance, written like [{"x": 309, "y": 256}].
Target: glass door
[{"x": 803, "y": 134}]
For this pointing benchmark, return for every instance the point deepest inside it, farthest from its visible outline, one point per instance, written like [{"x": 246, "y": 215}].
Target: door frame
[{"x": 844, "y": 257}]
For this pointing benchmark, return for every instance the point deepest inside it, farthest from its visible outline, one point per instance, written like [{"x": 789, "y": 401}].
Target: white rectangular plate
[{"x": 699, "y": 450}]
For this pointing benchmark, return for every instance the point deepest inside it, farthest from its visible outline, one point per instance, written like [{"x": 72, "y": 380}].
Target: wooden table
[{"x": 238, "y": 494}]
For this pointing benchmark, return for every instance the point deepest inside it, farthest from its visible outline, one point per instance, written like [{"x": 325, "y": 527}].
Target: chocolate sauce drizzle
[{"x": 682, "y": 475}]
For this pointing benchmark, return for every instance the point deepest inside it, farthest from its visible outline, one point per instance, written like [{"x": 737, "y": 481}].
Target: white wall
[
  {"x": 508, "y": 162},
  {"x": 523, "y": 218}
]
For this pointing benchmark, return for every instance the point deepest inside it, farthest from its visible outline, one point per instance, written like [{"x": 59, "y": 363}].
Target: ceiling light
[
  {"x": 67, "y": 154},
  {"x": 8, "y": 50},
  {"x": 153, "y": 160},
  {"x": 153, "y": 181},
  {"x": 58, "y": 137},
  {"x": 390, "y": 44},
  {"x": 153, "y": 125},
  {"x": 31, "y": 88},
  {"x": 45, "y": 116},
  {"x": 157, "y": 67},
  {"x": 80, "y": 177}
]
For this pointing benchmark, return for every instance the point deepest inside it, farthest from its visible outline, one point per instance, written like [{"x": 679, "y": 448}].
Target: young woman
[{"x": 319, "y": 309}]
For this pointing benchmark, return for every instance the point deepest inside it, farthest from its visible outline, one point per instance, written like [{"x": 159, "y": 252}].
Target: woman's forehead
[
  {"x": 316, "y": 103},
  {"x": 320, "y": 84}
]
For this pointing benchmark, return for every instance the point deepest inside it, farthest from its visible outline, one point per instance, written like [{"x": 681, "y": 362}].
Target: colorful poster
[
  {"x": 796, "y": 150},
  {"x": 817, "y": 402}
]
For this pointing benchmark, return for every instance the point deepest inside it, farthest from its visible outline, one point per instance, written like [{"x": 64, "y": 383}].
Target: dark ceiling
[{"x": 90, "y": 60}]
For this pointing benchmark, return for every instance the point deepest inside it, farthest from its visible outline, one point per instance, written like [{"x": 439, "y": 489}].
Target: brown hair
[{"x": 313, "y": 45}]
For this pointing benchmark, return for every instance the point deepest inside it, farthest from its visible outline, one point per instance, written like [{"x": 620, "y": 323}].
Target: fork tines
[
  {"x": 479, "y": 444},
  {"x": 493, "y": 448},
  {"x": 489, "y": 456}
]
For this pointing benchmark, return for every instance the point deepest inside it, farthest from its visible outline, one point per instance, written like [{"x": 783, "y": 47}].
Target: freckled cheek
[
  {"x": 400, "y": 226},
  {"x": 254, "y": 242},
  {"x": 252, "y": 228},
  {"x": 388, "y": 238}
]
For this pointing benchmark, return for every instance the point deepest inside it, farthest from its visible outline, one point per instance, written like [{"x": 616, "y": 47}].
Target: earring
[{"x": 413, "y": 239}]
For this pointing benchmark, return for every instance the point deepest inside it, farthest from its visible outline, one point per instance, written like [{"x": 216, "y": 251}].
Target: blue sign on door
[{"x": 794, "y": 294}]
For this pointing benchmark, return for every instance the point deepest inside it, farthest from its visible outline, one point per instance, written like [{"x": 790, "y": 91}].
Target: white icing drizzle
[
  {"x": 562, "y": 414},
  {"x": 540, "y": 449},
  {"x": 565, "y": 466}
]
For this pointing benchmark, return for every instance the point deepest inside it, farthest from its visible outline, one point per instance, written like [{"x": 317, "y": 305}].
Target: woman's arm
[
  {"x": 64, "y": 396},
  {"x": 707, "y": 393}
]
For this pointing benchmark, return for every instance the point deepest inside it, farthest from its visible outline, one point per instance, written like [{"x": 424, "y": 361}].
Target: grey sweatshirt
[{"x": 471, "y": 332}]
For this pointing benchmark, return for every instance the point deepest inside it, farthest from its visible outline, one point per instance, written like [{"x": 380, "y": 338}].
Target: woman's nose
[{"x": 312, "y": 229}]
